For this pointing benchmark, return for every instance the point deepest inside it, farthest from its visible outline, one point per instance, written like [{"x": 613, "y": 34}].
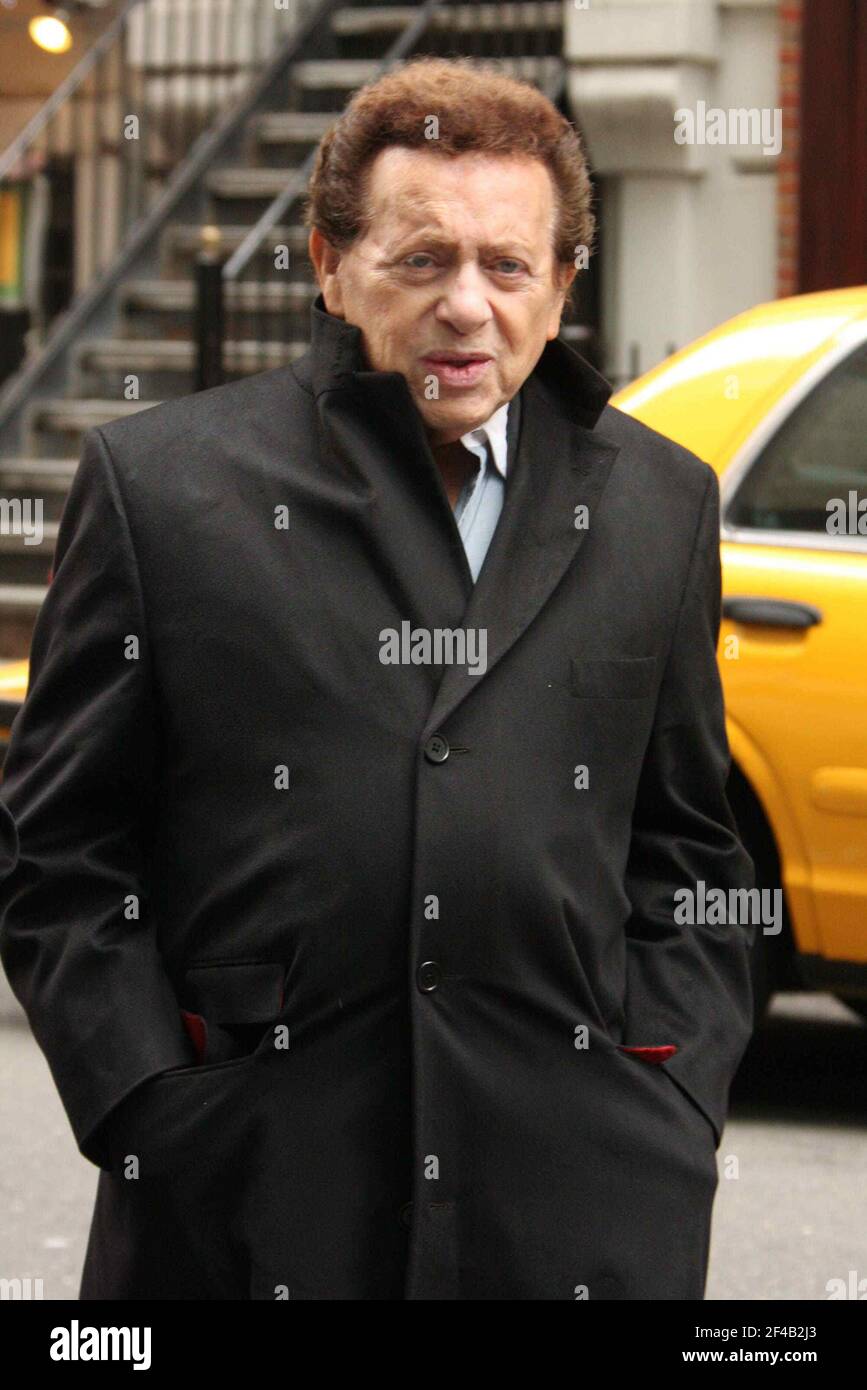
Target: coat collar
[
  {"x": 337, "y": 352},
  {"x": 561, "y": 468}
]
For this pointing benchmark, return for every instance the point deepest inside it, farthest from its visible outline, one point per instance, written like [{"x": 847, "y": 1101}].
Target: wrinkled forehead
[{"x": 463, "y": 198}]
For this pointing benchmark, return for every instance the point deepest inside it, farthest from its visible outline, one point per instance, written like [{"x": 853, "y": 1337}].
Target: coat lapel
[
  {"x": 559, "y": 465},
  {"x": 377, "y": 465}
]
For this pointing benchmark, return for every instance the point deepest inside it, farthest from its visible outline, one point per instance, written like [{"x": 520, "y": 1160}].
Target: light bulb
[{"x": 51, "y": 32}]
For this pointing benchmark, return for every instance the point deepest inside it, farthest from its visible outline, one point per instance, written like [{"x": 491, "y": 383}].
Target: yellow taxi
[{"x": 776, "y": 401}]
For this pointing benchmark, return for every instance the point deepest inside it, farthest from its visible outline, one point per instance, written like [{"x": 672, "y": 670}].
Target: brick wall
[{"x": 788, "y": 175}]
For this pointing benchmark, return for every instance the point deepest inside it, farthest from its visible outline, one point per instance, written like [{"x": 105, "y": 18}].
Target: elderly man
[{"x": 374, "y": 736}]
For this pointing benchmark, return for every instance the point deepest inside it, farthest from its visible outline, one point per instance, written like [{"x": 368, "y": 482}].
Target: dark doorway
[{"x": 833, "y": 188}]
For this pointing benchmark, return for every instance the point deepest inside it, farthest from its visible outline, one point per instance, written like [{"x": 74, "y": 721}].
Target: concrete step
[
  {"x": 178, "y": 296},
  {"x": 167, "y": 355},
  {"x": 486, "y": 18},
  {"x": 251, "y": 184}
]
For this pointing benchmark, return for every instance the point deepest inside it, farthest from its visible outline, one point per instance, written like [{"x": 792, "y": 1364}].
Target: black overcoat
[{"x": 380, "y": 938}]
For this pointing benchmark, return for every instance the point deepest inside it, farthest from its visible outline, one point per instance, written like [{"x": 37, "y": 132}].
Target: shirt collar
[{"x": 494, "y": 432}]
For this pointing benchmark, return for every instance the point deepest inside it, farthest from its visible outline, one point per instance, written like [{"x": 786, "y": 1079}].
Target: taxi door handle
[{"x": 770, "y": 612}]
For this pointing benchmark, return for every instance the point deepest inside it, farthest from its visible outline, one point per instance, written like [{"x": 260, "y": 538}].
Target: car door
[{"x": 794, "y": 534}]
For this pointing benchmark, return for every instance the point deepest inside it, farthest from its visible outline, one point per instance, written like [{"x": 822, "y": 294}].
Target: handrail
[
  {"x": 70, "y": 84},
  {"x": 205, "y": 148},
  {"x": 297, "y": 182}
]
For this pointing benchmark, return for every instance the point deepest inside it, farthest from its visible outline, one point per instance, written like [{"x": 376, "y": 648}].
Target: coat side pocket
[{"x": 227, "y": 1007}]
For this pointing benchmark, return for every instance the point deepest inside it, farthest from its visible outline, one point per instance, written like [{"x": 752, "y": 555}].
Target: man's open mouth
[{"x": 457, "y": 368}]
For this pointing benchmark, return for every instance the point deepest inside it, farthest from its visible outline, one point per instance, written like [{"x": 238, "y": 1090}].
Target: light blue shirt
[{"x": 480, "y": 501}]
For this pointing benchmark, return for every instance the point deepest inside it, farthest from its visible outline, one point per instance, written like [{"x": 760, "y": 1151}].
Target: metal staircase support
[{"x": 90, "y": 314}]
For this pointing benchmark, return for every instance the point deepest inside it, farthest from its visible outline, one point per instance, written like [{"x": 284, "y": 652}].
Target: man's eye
[
  {"x": 509, "y": 266},
  {"x": 419, "y": 261}
]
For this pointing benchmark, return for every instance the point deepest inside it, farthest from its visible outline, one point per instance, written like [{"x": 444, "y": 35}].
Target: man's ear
[
  {"x": 564, "y": 275},
  {"x": 326, "y": 261}
]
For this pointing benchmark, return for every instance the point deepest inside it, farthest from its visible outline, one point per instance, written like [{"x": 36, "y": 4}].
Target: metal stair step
[
  {"x": 14, "y": 544},
  {"x": 178, "y": 296},
  {"x": 185, "y": 239},
  {"x": 246, "y": 182},
  {"x": 79, "y": 415},
  {"x": 166, "y": 355},
  {"x": 27, "y": 597},
  {"x": 330, "y": 74},
  {"x": 292, "y": 127},
  {"x": 576, "y": 334},
  {"x": 29, "y": 475},
  {"x": 490, "y": 18},
  {"x": 345, "y": 74},
  {"x": 530, "y": 67}
]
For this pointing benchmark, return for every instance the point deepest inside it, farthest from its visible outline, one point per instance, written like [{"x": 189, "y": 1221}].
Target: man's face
[{"x": 455, "y": 283}]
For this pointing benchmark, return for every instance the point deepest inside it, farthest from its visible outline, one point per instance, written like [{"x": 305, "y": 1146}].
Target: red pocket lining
[
  {"x": 654, "y": 1055},
  {"x": 197, "y": 1029}
]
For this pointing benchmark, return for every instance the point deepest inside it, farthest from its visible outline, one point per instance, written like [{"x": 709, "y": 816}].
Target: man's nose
[{"x": 464, "y": 305}]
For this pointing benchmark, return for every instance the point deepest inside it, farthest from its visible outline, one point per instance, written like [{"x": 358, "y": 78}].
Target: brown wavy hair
[{"x": 479, "y": 109}]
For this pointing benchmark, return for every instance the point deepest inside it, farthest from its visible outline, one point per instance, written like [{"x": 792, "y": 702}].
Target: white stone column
[{"x": 689, "y": 229}]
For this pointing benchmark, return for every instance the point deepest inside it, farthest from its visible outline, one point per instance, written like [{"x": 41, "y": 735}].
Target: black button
[
  {"x": 406, "y": 1215},
  {"x": 428, "y": 976},
  {"x": 436, "y": 750}
]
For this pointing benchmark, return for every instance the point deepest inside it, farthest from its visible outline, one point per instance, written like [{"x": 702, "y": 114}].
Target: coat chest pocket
[
  {"x": 612, "y": 678},
  {"x": 227, "y": 1007}
]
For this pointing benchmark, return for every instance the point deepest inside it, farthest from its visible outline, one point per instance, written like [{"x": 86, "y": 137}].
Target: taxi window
[{"x": 813, "y": 473}]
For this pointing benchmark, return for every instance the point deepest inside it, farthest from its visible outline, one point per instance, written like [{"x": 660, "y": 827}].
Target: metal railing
[
  {"x": 44, "y": 368},
  {"x": 97, "y": 156},
  {"x": 251, "y": 315}
]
